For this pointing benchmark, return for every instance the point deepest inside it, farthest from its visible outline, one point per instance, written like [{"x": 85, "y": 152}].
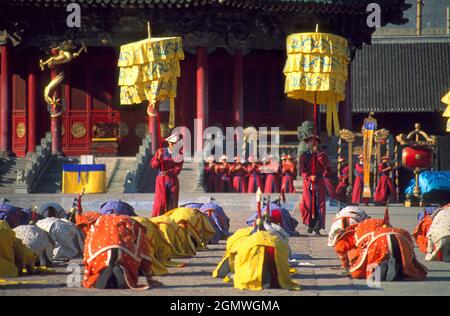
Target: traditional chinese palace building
[{"x": 231, "y": 75}]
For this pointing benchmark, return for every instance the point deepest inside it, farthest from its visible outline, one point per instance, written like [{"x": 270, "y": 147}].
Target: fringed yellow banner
[
  {"x": 148, "y": 71},
  {"x": 317, "y": 69}
]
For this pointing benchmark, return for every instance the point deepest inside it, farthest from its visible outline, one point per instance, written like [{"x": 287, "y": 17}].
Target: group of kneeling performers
[{"x": 118, "y": 246}]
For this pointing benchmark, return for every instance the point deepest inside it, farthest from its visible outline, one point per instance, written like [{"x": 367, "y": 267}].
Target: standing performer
[
  {"x": 167, "y": 186},
  {"x": 238, "y": 173},
  {"x": 288, "y": 173},
  {"x": 212, "y": 181},
  {"x": 254, "y": 175},
  {"x": 385, "y": 188},
  {"x": 223, "y": 172},
  {"x": 272, "y": 183},
  {"x": 359, "y": 183},
  {"x": 313, "y": 217},
  {"x": 341, "y": 189},
  {"x": 331, "y": 190}
]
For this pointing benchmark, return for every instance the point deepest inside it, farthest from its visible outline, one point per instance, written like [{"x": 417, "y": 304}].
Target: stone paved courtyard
[{"x": 319, "y": 271}]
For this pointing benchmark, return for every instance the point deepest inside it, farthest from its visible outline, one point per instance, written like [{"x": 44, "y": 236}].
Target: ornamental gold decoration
[
  {"x": 21, "y": 130},
  {"x": 78, "y": 130}
]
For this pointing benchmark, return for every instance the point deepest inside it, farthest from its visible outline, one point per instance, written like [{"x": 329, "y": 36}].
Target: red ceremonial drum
[{"x": 417, "y": 157}]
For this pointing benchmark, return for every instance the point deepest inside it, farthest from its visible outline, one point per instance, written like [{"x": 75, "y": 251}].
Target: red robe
[
  {"x": 306, "y": 163},
  {"x": 385, "y": 188},
  {"x": 288, "y": 174},
  {"x": 128, "y": 237},
  {"x": 212, "y": 180},
  {"x": 238, "y": 173},
  {"x": 420, "y": 233},
  {"x": 254, "y": 178},
  {"x": 225, "y": 184},
  {"x": 331, "y": 190},
  {"x": 341, "y": 189},
  {"x": 166, "y": 187},
  {"x": 358, "y": 184},
  {"x": 272, "y": 183},
  {"x": 370, "y": 243}
]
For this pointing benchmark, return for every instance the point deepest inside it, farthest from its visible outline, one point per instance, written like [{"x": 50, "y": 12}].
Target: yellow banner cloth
[
  {"x": 148, "y": 71},
  {"x": 316, "y": 69}
]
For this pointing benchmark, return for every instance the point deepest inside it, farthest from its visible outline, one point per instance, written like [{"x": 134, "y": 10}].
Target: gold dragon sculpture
[{"x": 62, "y": 54}]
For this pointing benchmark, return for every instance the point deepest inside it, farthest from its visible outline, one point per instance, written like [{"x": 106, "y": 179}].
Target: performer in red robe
[
  {"x": 169, "y": 164},
  {"x": 358, "y": 184},
  {"x": 211, "y": 178},
  {"x": 272, "y": 183},
  {"x": 385, "y": 188},
  {"x": 314, "y": 218},
  {"x": 238, "y": 173},
  {"x": 223, "y": 172},
  {"x": 341, "y": 189},
  {"x": 254, "y": 176},
  {"x": 288, "y": 174},
  {"x": 329, "y": 186},
  {"x": 374, "y": 244}
]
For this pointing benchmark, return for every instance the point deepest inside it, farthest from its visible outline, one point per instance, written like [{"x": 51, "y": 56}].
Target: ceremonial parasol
[
  {"x": 316, "y": 71},
  {"x": 149, "y": 70},
  {"x": 446, "y": 100}
]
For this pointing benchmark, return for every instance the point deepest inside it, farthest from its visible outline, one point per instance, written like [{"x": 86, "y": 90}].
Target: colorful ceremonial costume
[
  {"x": 358, "y": 184},
  {"x": 346, "y": 217},
  {"x": 371, "y": 244},
  {"x": 15, "y": 216},
  {"x": 176, "y": 236},
  {"x": 385, "y": 188},
  {"x": 272, "y": 181},
  {"x": 166, "y": 186},
  {"x": 66, "y": 237},
  {"x": 223, "y": 172},
  {"x": 288, "y": 174},
  {"x": 198, "y": 225},
  {"x": 432, "y": 235},
  {"x": 341, "y": 189},
  {"x": 38, "y": 241},
  {"x": 159, "y": 251},
  {"x": 254, "y": 178},
  {"x": 280, "y": 216},
  {"x": 116, "y": 246},
  {"x": 212, "y": 180},
  {"x": 316, "y": 220},
  {"x": 238, "y": 173},
  {"x": 257, "y": 261},
  {"x": 14, "y": 256}
]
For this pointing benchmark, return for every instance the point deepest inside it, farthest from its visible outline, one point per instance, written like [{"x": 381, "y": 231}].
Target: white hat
[
  {"x": 173, "y": 138},
  {"x": 210, "y": 159},
  {"x": 223, "y": 157}
]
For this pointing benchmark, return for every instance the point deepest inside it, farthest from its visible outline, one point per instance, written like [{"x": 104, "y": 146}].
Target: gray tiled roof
[{"x": 401, "y": 77}]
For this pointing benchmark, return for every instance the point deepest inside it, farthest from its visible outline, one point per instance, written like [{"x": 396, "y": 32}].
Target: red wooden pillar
[
  {"x": 32, "y": 104},
  {"x": 238, "y": 101},
  {"x": 152, "y": 127},
  {"x": 202, "y": 96},
  {"x": 5, "y": 104},
  {"x": 55, "y": 122}
]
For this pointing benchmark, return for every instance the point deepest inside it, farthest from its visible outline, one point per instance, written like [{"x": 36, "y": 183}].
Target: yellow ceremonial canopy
[
  {"x": 149, "y": 70},
  {"x": 446, "y": 100},
  {"x": 316, "y": 71}
]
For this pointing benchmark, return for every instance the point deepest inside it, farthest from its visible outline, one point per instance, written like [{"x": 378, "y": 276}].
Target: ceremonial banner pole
[{"x": 316, "y": 71}]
